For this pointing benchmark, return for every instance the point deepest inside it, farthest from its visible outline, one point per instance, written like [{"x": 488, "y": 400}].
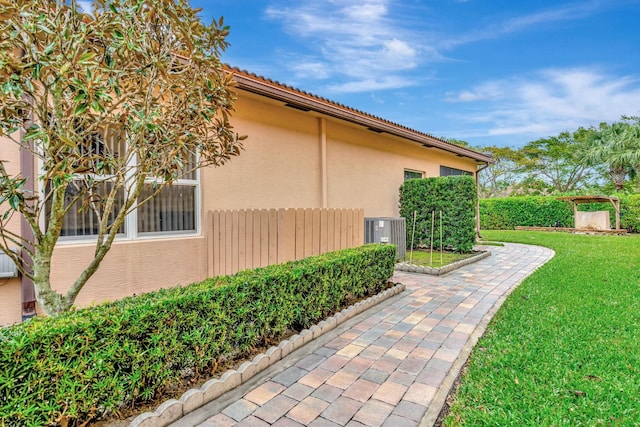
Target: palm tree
[
  {"x": 616, "y": 146},
  {"x": 631, "y": 152}
]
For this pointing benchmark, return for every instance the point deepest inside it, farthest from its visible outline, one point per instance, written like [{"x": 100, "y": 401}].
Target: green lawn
[{"x": 564, "y": 349}]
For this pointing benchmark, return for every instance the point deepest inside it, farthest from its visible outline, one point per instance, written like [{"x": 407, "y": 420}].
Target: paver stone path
[{"x": 392, "y": 365}]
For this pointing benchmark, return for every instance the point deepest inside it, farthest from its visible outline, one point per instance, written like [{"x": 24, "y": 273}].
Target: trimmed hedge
[
  {"x": 455, "y": 197},
  {"x": 93, "y": 362},
  {"x": 545, "y": 211},
  {"x": 630, "y": 213},
  {"x": 531, "y": 211}
]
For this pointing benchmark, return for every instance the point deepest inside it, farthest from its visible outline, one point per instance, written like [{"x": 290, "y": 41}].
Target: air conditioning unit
[
  {"x": 8, "y": 268},
  {"x": 387, "y": 230}
]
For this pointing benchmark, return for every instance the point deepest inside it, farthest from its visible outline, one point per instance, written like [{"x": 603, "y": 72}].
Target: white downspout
[{"x": 486, "y": 165}]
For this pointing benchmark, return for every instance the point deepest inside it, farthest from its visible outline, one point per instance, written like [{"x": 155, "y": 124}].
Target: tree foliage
[
  {"x": 605, "y": 160},
  {"x": 501, "y": 177},
  {"x": 557, "y": 160},
  {"x": 615, "y": 146},
  {"x": 145, "y": 74}
]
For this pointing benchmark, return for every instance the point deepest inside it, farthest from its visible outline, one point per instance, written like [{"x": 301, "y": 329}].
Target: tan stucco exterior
[
  {"x": 282, "y": 165},
  {"x": 366, "y": 169},
  {"x": 292, "y": 159},
  {"x": 10, "y": 294},
  {"x": 132, "y": 267}
]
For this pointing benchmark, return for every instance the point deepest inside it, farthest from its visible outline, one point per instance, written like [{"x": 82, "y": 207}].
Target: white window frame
[
  {"x": 133, "y": 216},
  {"x": 422, "y": 173},
  {"x": 130, "y": 223}
]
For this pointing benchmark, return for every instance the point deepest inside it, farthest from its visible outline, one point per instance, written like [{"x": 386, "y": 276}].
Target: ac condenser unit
[
  {"x": 387, "y": 230},
  {"x": 8, "y": 268}
]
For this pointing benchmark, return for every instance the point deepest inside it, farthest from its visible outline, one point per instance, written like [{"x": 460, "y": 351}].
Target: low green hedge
[
  {"x": 545, "y": 211},
  {"x": 95, "y": 362}
]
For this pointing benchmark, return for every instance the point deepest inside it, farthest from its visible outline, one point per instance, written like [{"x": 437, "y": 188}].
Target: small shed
[{"x": 598, "y": 220}]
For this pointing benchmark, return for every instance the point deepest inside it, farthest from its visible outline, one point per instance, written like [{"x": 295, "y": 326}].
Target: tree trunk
[
  {"x": 617, "y": 176},
  {"x": 52, "y": 302}
]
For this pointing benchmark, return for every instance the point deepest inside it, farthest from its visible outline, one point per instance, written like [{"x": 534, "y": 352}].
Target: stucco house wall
[
  {"x": 282, "y": 165},
  {"x": 293, "y": 158},
  {"x": 10, "y": 291},
  {"x": 367, "y": 168}
]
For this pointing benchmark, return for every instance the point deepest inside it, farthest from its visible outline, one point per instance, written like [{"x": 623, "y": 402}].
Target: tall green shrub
[{"x": 454, "y": 196}]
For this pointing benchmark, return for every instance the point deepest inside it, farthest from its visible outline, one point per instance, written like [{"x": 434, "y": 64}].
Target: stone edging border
[
  {"x": 403, "y": 266},
  {"x": 174, "y": 409}
]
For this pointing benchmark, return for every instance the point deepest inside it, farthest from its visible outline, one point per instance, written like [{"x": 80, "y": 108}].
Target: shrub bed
[
  {"x": 94, "y": 362},
  {"x": 545, "y": 211}
]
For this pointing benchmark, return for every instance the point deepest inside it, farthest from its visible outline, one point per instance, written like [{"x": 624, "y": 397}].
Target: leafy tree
[
  {"x": 532, "y": 185},
  {"x": 557, "y": 160},
  {"x": 501, "y": 177},
  {"x": 145, "y": 74},
  {"x": 455, "y": 141}
]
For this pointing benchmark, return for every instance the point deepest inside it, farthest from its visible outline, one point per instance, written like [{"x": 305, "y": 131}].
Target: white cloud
[
  {"x": 549, "y": 101},
  {"x": 501, "y": 27},
  {"x": 398, "y": 51},
  {"x": 372, "y": 45},
  {"x": 561, "y": 13},
  {"x": 485, "y": 91},
  {"x": 365, "y": 12},
  {"x": 355, "y": 40},
  {"x": 315, "y": 69},
  {"x": 365, "y": 85}
]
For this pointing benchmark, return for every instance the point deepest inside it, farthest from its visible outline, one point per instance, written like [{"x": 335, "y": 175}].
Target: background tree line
[{"x": 603, "y": 160}]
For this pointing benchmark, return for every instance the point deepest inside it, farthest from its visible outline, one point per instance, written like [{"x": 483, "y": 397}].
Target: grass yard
[
  {"x": 423, "y": 258},
  {"x": 564, "y": 349}
]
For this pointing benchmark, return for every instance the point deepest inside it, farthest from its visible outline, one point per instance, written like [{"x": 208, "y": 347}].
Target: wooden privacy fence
[{"x": 242, "y": 239}]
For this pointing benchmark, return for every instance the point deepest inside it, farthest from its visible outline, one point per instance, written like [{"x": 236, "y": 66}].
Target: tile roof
[{"x": 303, "y": 100}]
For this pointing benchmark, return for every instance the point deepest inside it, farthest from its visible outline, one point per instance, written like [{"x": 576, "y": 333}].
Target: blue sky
[{"x": 491, "y": 72}]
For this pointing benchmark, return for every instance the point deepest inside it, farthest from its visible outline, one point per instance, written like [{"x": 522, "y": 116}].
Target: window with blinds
[
  {"x": 172, "y": 210},
  {"x": 447, "y": 171},
  {"x": 82, "y": 218},
  {"x": 86, "y": 205}
]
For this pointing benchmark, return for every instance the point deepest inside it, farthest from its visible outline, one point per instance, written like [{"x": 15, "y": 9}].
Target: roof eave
[{"x": 299, "y": 100}]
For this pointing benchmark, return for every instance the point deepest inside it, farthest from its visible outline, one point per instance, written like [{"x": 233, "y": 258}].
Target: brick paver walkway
[{"x": 385, "y": 366}]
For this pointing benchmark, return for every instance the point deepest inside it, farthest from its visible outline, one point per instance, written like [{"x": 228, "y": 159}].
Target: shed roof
[
  {"x": 306, "y": 101},
  {"x": 588, "y": 199}
]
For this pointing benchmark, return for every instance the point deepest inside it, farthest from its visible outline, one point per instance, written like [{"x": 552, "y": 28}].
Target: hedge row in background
[
  {"x": 454, "y": 196},
  {"x": 93, "y": 362},
  {"x": 532, "y": 211},
  {"x": 545, "y": 211}
]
